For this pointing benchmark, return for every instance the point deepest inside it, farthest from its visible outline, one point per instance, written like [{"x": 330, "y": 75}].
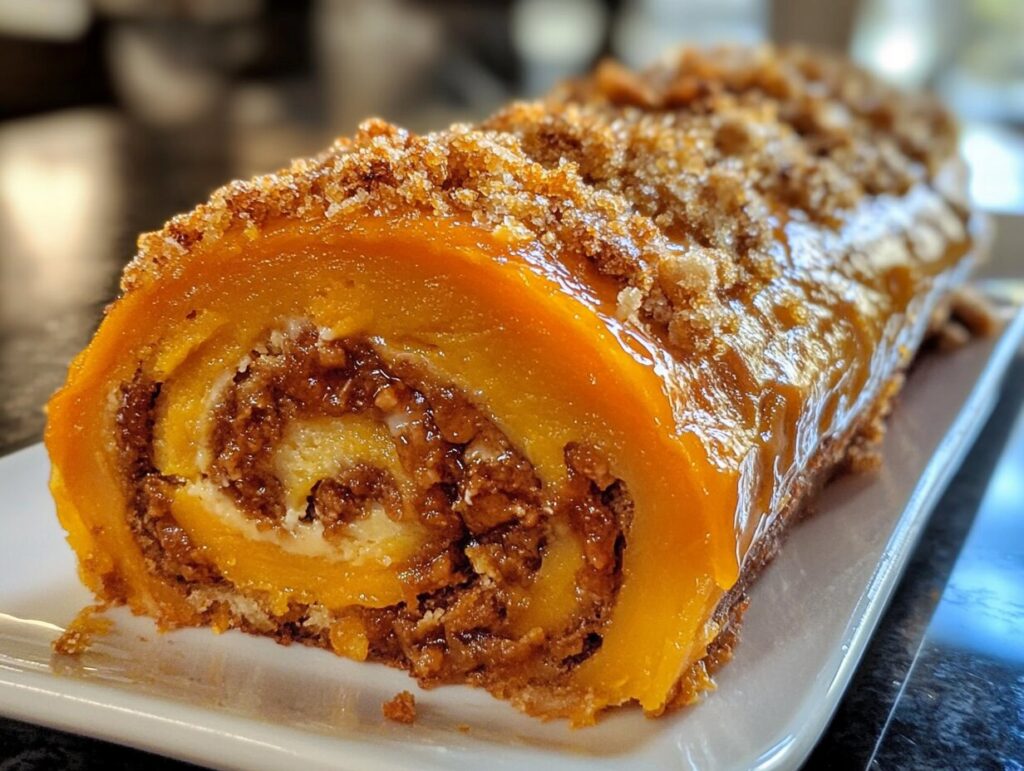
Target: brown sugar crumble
[
  {"x": 400, "y": 709},
  {"x": 676, "y": 182}
]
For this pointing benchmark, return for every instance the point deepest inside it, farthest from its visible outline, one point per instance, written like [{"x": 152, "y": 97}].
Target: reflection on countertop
[
  {"x": 942, "y": 683},
  {"x": 982, "y": 607},
  {"x": 964, "y": 695}
]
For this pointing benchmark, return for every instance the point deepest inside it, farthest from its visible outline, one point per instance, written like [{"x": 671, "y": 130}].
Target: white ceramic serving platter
[{"x": 238, "y": 701}]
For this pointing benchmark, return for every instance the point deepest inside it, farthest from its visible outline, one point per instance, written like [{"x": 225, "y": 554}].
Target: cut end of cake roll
[{"x": 524, "y": 405}]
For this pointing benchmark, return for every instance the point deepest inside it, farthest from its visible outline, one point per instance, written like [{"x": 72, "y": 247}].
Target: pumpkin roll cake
[{"x": 524, "y": 404}]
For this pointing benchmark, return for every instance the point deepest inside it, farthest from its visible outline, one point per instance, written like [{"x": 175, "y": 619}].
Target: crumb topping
[{"x": 677, "y": 182}]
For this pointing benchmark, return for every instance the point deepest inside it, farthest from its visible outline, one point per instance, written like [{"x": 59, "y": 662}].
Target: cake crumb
[
  {"x": 963, "y": 315},
  {"x": 864, "y": 454},
  {"x": 401, "y": 709},
  {"x": 974, "y": 311},
  {"x": 951, "y": 335},
  {"x": 81, "y": 632}
]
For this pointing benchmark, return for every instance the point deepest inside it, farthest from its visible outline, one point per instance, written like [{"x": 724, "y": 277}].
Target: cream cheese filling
[{"x": 374, "y": 538}]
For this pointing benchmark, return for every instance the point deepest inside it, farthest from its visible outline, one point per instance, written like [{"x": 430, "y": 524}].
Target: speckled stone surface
[
  {"x": 920, "y": 699},
  {"x": 26, "y": 747},
  {"x": 960, "y": 710}
]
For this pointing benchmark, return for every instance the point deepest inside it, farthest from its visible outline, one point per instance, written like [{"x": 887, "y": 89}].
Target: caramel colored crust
[
  {"x": 844, "y": 454},
  {"x": 859, "y": 451}
]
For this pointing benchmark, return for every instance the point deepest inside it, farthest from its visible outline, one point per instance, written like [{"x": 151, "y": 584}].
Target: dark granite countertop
[{"x": 942, "y": 684}]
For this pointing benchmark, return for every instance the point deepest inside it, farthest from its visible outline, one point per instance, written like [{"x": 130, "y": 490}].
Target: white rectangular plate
[{"x": 240, "y": 701}]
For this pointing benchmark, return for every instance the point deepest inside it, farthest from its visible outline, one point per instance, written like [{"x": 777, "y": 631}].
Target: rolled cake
[{"x": 524, "y": 404}]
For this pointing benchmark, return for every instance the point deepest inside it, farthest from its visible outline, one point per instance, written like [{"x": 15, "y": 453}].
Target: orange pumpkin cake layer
[{"x": 523, "y": 404}]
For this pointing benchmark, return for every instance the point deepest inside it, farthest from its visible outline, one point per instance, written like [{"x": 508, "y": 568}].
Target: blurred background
[{"x": 115, "y": 114}]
